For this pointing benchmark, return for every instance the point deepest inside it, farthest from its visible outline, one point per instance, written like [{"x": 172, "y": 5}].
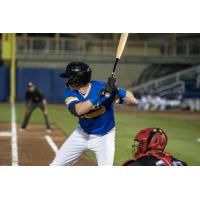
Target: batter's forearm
[
  {"x": 129, "y": 99},
  {"x": 86, "y": 106},
  {"x": 83, "y": 107}
]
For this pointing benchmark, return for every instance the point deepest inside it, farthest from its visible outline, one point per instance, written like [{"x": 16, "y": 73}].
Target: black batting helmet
[{"x": 77, "y": 74}]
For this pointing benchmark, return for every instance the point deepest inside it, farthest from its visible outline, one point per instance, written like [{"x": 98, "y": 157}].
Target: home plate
[
  {"x": 5, "y": 134},
  {"x": 198, "y": 139}
]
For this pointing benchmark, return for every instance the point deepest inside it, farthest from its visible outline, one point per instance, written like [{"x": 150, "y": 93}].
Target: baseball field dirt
[
  {"x": 5, "y": 145},
  {"x": 33, "y": 147}
]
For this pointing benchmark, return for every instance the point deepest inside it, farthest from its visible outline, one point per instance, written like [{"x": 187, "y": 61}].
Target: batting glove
[{"x": 110, "y": 88}]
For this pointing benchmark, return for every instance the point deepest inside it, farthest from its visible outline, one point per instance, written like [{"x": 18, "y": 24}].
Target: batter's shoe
[
  {"x": 22, "y": 130},
  {"x": 48, "y": 131}
]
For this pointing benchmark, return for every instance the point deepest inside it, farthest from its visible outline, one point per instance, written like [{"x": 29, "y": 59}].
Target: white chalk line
[
  {"x": 51, "y": 143},
  {"x": 5, "y": 134},
  {"x": 198, "y": 139},
  {"x": 14, "y": 136}
]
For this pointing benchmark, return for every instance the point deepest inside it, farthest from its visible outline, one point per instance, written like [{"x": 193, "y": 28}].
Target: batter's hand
[{"x": 110, "y": 88}]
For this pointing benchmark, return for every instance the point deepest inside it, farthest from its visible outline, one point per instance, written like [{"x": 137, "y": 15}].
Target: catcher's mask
[
  {"x": 149, "y": 139},
  {"x": 77, "y": 74}
]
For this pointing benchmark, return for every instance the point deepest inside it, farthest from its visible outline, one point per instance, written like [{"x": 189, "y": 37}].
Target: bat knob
[{"x": 107, "y": 95}]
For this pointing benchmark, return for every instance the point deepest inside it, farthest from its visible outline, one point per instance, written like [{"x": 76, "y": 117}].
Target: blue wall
[
  {"x": 4, "y": 84},
  {"x": 46, "y": 80}
]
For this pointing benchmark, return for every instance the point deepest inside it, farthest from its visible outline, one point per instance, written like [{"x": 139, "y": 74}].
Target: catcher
[
  {"x": 148, "y": 149},
  {"x": 33, "y": 99}
]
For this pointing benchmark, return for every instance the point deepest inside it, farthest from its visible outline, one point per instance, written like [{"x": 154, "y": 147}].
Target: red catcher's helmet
[{"x": 149, "y": 139}]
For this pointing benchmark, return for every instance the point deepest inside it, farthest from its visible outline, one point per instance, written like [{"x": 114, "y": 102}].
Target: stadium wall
[
  {"x": 48, "y": 82},
  {"x": 126, "y": 74},
  {"x": 4, "y": 84}
]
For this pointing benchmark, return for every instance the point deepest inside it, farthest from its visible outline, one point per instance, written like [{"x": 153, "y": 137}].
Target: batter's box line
[
  {"x": 51, "y": 143},
  {"x": 5, "y": 134}
]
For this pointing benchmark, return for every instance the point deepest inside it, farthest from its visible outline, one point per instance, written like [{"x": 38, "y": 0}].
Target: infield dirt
[{"x": 33, "y": 149}]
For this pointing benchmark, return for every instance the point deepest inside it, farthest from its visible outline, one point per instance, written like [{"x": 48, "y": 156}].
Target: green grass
[
  {"x": 5, "y": 115},
  {"x": 182, "y": 132}
]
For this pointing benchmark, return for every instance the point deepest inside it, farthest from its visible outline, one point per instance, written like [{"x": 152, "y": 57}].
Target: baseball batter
[{"x": 96, "y": 129}]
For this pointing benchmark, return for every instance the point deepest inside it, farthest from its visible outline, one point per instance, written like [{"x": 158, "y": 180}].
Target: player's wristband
[{"x": 121, "y": 93}]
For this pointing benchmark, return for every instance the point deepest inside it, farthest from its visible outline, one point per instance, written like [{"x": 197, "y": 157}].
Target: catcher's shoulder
[{"x": 128, "y": 162}]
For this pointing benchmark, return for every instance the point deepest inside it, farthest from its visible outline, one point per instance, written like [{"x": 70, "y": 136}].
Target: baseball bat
[{"x": 120, "y": 49}]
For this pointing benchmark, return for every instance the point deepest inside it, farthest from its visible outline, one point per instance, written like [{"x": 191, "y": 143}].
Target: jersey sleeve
[
  {"x": 70, "y": 98},
  {"x": 121, "y": 94}
]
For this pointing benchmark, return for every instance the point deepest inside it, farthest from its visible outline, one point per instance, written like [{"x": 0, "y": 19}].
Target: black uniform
[
  {"x": 35, "y": 96},
  {"x": 35, "y": 99},
  {"x": 155, "y": 160}
]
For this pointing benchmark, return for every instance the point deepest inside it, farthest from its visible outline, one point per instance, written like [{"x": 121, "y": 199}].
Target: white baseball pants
[{"x": 79, "y": 142}]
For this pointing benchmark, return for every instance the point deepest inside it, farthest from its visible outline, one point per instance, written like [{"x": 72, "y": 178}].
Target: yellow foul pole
[
  {"x": 13, "y": 68},
  {"x": 8, "y": 56}
]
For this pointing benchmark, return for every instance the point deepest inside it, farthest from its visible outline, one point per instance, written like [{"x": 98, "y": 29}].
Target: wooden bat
[{"x": 120, "y": 49}]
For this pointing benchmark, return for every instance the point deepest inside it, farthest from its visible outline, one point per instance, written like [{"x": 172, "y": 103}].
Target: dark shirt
[
  {"x": 35, "y": 96},
  {"x": 153, "y": 161}
]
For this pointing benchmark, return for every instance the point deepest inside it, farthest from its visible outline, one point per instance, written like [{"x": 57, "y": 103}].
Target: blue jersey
[{"x": 98, "y": 121}]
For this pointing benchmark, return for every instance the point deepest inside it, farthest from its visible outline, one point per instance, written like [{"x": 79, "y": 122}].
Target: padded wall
[
  {"x": 4, "y": 84},
  {"x": 46, "y": 80}
]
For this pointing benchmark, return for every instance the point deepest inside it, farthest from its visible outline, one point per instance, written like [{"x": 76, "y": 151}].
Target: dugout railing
[
  {"x": 170, "y": 81},
  {"x": 49, "y": 45}
]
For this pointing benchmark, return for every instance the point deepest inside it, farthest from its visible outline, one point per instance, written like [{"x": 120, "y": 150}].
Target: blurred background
[{"x": 153, "y": 65}]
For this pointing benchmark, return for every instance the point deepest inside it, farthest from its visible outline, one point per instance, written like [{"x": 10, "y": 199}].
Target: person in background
[
  {"x": 33, "y": 99},
  {"x": 144, "y": 101}
]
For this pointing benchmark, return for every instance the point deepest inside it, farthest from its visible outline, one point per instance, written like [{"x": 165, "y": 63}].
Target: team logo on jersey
[{"x": 96, "y": 112}]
